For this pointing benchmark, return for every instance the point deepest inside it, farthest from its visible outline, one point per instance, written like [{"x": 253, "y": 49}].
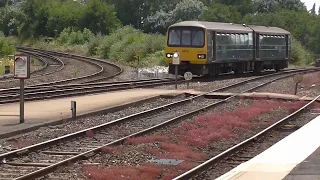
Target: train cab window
[
  {"x": 174, "y": 37},
  {"x": 197, "y": 38},
  {"x": 186, "y": 37}
]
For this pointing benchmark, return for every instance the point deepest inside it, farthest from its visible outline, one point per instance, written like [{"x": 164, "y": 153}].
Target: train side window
[
  {"x": 233, "y": 38},
  {"x": 218, "y": 39},
  {"x": 238, "y": 42},
  {"x": 246, "y": 39},
  {"x": 228, "y": 39},
  {"x": 186, "y": 37},
  {"x": 250, "y": 39},
  {"x": 242, "y": 37},
  {"x": 223, "y": 39}
]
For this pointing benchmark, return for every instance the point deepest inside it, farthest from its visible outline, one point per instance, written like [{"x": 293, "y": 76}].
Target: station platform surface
[
  {"x": 296, "y": 157},
  {"x": 46, "y": 111}
]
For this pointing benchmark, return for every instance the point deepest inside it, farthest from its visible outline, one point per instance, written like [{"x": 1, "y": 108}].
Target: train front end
[{"x": 191, "y": 43}]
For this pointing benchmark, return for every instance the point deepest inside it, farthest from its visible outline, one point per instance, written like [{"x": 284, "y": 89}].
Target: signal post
[
  {"x": 176, "y": 62},
  {"x": 22, "y": 72}
]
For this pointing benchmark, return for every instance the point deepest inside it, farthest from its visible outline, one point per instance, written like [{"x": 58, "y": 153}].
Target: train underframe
[{"x": 215, "y": 69}]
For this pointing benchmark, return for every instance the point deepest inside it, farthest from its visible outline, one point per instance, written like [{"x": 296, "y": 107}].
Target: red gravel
[{"x": 193, "y": 142}]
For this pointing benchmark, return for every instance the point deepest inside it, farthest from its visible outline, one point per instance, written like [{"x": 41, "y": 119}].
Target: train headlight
[
  {"x": 201, "y": 56},
  {"x": 168, "y": 55}
]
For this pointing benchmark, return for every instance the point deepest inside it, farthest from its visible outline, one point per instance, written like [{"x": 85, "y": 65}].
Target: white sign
[
  {"x": 176, "y": 58},
  {"x": 21, "y": 67},
  {"x": 188, "y": 76}
]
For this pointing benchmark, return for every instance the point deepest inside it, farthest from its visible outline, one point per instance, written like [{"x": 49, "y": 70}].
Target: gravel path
[{"x": 174, "y": 142}]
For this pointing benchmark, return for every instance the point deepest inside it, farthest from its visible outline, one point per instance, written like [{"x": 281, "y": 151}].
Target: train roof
[
  {"x": 269, "y": 30},
  {"x": 217, "y": 26}
]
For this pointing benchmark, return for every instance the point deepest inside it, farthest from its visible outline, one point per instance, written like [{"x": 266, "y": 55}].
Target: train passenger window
[
  {"x": 197, "y": 38},
  {"x": 218, "y": 39},
  {"x": 223, "y": 39},
  {"x": 238, "y": 42},
  {"x": 242, "y": 39},
  {"x": 233, "y": 38},
  {"x": 174, "y": 37},
  {"x": 186, "y": 37},
  {"x": 246, "y": 39},
  {"x": 250, "y": 39}
]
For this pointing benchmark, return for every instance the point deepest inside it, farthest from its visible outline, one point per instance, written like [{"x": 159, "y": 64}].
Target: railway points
[
  {"x": 39, "y": 113},
  {"x": 294, "y": 157}
]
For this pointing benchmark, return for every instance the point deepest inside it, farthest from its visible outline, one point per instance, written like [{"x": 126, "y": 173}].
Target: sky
[{"x": 309, "y": 4}]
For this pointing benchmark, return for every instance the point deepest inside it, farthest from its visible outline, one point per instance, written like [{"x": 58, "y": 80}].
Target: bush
[
  {"x": 6, "y": 48},
  {"x": 300, "y": 55},
  {"x": 69, "y": 36},
  {"x": 123, "y": 44}
]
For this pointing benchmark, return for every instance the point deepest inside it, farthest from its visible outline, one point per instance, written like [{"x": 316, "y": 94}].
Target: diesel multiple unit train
[{"x": 212, "y": 48}]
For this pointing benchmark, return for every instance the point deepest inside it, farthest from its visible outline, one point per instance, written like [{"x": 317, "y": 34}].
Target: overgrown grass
[{"x": 120, "y": 46}]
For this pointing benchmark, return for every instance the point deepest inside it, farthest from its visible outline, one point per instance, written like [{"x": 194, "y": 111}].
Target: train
[{"x": 213, "y": 48}]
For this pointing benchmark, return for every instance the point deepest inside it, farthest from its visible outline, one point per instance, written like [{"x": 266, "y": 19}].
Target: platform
[
  {"x": 49, "y": 111},
  {"x": 287, "y": 159}
]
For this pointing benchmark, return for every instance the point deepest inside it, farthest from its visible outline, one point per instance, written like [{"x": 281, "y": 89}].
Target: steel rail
[
  {"x": 39, "y": 93},
  {"x": 50, "y": 168},
  {"x": 88, "y": 59},
  {"x": 101, "y": 69},
  {"x": 77, "y": 91},
  {"x": 202, "y": 167},
  {"x": 43, "y": 61}
]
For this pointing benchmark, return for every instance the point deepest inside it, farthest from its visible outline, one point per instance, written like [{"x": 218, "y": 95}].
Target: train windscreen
[{"x": 186, "y": 37}]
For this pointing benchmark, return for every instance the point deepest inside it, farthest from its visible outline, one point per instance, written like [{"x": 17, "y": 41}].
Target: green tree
[
  {"x": 221, "y": 13},
  {"x": 313, "y": 10},
  {"x": 184, "y": 10},
  {"x": 99, "y": 17}
]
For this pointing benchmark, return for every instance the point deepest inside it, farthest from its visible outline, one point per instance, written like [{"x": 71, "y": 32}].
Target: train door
[
  {"x": 214, "y": 47},
  {"x": 257, "y": 45},
  {"x": 212, "y": 52}
]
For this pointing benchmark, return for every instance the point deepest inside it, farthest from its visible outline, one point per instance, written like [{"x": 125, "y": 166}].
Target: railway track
[
  {"x": 109, "y": 70},
  {"x": 41, "y": 159},
  {"x": 46, "y": 69},
  {"x": 56, "y": 91},
  {"x": 249, "y": 148},
  {"x": 43, "y": 63},
  {"x": 55, "y": 63}
]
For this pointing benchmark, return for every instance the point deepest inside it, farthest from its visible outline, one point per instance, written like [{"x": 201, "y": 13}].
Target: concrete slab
[
  {"x": 38, "y": 113},
  {"x": 256, "y": 95}
]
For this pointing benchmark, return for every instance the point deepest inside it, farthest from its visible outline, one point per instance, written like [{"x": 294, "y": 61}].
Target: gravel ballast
[
  {"x": 47, "y": 133},
  {"x": 169, "y": 143}
]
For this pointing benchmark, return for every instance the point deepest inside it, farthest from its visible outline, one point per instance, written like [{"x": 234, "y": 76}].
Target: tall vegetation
[{"x": 115, "y": 29}]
